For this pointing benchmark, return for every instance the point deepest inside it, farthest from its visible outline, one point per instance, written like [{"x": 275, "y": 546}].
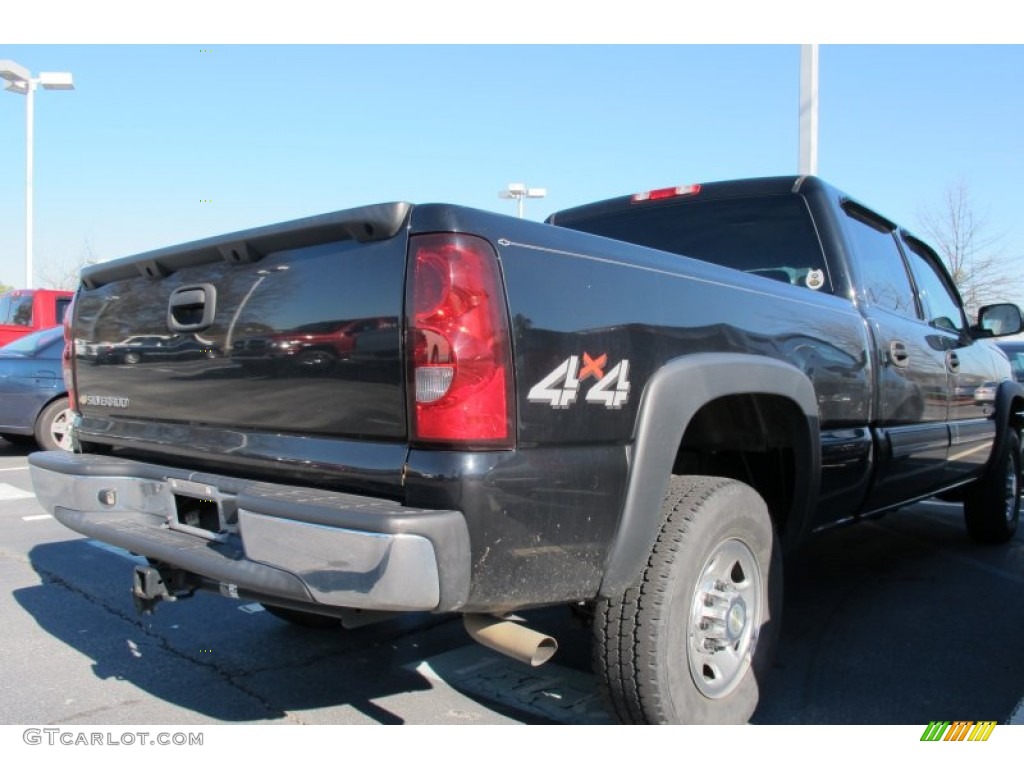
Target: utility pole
[{"x": 808, "y": 110}]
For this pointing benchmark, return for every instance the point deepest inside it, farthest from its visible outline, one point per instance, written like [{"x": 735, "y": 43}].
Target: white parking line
[
  {"x": 30, "y": 518},
  {"x": 13, "y": 469},
  {"x": 10, "y": 493}
]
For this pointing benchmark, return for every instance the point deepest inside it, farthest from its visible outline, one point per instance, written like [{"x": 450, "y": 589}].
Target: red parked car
[{"x": 27, "y": 310}]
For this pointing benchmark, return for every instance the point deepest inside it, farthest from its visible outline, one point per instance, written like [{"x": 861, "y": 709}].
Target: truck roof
[{"x": 715, "y": 190}]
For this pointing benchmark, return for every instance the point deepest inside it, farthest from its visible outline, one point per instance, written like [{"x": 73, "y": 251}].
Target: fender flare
[
  {"x": 671, "y": 398},
  {"x": 1003, "y": 414}
]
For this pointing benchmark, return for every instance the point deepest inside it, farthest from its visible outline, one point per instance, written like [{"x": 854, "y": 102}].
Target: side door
[
  {"x": 969, "y": 362},
  {"x": 912, "y": 384}
]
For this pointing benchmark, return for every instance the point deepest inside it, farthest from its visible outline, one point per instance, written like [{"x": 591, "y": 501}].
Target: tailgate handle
[{"x": 192, "y": 308}]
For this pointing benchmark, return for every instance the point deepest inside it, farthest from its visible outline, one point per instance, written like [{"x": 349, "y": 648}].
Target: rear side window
[
  {"x": 883, "y": 272},
  {"x": 773, "y": 237},
  {"x": 16, "y": 310}
]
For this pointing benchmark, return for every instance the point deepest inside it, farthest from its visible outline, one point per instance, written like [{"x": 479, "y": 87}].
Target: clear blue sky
[{"x": 268, "y": 133}]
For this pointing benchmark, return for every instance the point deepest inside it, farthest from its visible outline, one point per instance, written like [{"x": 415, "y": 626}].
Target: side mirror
[{"x": 999, "y": 320}]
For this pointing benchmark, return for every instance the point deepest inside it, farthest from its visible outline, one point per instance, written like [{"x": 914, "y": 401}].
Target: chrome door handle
[{"x": 898, "y": 354}]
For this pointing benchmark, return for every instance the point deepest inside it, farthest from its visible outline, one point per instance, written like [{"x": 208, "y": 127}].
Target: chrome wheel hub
[
  {"x": 61, "y": 430},
  {"x": 725, "y": 613}
]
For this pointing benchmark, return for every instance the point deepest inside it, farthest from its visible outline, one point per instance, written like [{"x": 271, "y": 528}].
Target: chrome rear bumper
[{"x": 298, "y": 544}]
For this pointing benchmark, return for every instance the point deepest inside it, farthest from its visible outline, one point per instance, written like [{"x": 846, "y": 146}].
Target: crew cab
[{"x": 634, "y": 408}]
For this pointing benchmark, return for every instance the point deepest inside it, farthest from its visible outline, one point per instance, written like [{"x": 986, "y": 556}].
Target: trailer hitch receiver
[{"x": 150, "y": 586}]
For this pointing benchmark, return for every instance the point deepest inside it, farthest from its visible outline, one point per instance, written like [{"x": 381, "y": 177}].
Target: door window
[{"x": 941, "y": 308}]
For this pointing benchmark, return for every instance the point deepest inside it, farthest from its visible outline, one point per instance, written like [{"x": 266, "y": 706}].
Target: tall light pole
[
  {"x": 519, "y": 191},
  {"x": 20, "y": 80},
  {"x": 808, "y": 110}
]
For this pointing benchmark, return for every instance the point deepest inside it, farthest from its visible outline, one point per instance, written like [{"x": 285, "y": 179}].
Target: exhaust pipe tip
[{"x": 510, "y": 638}]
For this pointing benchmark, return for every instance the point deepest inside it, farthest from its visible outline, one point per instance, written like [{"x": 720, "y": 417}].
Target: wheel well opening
[
  {"x": 51, "y": 401},
  {"x": 750, "y": 438},
  {"x": 1017, "y": 414}
]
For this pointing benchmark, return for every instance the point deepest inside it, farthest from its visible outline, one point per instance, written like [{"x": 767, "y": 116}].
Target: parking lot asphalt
[{"x": 901, "y": 620}]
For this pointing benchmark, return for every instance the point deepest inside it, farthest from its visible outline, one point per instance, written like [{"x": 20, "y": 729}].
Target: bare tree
[
  {"x": 64, "y": 273},
  {"x": 978, "y": 265}
]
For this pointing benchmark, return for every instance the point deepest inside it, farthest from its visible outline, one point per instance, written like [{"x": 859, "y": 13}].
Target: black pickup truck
[{"x": 634, "y": 408}]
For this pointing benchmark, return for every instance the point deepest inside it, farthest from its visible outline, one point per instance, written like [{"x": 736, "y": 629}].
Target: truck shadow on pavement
[
  {"x": 899, "y": 621},
  {"x": 207, "y": 656}
]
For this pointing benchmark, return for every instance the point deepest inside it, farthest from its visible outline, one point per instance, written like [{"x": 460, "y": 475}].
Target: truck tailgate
[{"x": 288, "y": 330}]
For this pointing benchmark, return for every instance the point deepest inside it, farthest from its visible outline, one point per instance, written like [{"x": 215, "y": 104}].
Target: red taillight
[
  {"x": 459, "y": 355},
  {"x": 666, "y": 192},
  {"x": 69, "y": 348}
]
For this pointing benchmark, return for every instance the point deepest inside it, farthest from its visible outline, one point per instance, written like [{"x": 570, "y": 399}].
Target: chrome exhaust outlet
[{"x": 510, "y": 638}]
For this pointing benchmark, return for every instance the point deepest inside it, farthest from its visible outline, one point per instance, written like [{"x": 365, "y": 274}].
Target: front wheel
[
  {"x": 53, "y": 426},
  {"x": 691, "y": 641},
  {"x": 992, "y": 503}
]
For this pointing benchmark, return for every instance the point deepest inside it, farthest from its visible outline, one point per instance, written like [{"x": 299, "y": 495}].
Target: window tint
[
  {"x": 16, "y": 310},
  {"x": 940, "y": 307},
  {"x": 882, "y": 270},
  {"x": 770, "y": 236},
  {"x": 62, "y": 307}
]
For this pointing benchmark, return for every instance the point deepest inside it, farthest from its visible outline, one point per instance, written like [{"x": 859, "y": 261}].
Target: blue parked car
[{"x": 33, "y": 398}]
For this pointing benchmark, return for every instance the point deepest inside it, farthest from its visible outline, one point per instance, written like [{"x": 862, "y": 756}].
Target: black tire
[
  {"x": 660, "y": 656},
  {"x": 992, "y": 503},
  {"x": 302, "y": 618},
  {"x": 132, "y": 358},
  {"x": 53, "y": 426}
]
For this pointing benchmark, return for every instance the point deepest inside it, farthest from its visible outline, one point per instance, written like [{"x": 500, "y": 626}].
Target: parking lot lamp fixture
[
  {"x": 519, "y": 192},
  {"x": 20, "y": 80}
]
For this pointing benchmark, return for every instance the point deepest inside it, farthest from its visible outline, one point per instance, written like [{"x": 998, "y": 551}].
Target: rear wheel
[
  {"x": 691, "y": 640},
  {"x": 53, "y": 426},
  {"x": 992, "y": 503},
  {"x": 302, "y": 618}
]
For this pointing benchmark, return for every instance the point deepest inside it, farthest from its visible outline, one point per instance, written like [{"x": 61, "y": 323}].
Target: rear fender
[{"x": 670, "y": 400}]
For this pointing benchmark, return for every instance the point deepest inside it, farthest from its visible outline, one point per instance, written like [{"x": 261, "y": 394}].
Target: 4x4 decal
[{"x": 560, "y": 387}]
